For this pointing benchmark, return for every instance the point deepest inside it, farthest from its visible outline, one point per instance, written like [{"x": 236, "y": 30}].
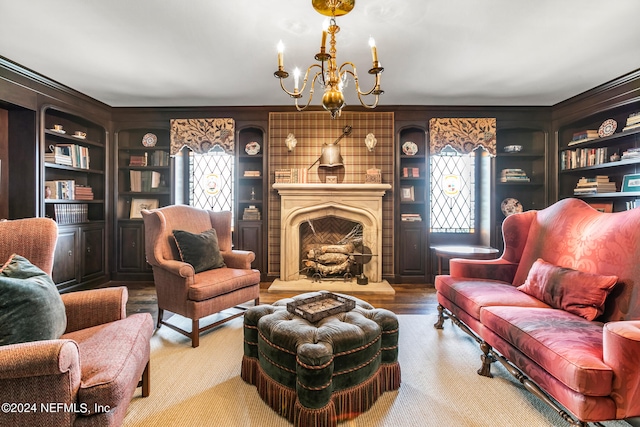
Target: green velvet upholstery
[
  {"x": 31, "y": 308},
  {"x": 319, "y": 372},
  {"x": 201, "y": 250}
]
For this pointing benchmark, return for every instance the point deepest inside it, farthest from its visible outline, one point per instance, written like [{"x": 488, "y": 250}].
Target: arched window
[
  {"x": 460, "y": 173},
  {"x": 205, "y": 162}
]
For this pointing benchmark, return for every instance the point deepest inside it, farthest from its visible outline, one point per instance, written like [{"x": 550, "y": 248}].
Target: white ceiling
[{"x": 215, "y": 53}]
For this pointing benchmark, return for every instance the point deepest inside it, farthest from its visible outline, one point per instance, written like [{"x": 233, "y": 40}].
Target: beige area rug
[
  {"x": 440, "y": 387},
  {"x": 349, "y": 287}
]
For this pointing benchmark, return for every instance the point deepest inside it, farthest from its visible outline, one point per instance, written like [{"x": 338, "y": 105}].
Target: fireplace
[{"x": 351, "y": 203}]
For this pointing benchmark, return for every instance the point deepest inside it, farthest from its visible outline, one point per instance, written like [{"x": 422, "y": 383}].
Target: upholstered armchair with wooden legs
[
  {"x": 89, "y": 375},
  {"x": 182, "y": 290}
]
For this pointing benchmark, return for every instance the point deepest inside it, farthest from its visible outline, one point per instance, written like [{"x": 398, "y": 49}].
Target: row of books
[
  {"x": 68, "y": 213},
  {"x": 83, "y": 192},
  {"x": 157, "y": 158},
  {"x": 584, "y": 136},
  {"x": 66, "y": 190},
  {"x": 583, "y": 157},
  {"x": 144, "y": 181},
  {"x": 411, "y": 172},
  {"x": 632, "y": 204},
  {"x": 69, "y": 155},
  {"x": 410, "y": 217},
  {"x": 513, "y": 175},
  {"x": 633, "y": 121},
  {"x": 251, "y": 173},
  {"x": 251, "y": 213},
  {"x": 599, "y": 184},
  {"x": 631, "y": 153},
  {"x": 291, "y": 176}
]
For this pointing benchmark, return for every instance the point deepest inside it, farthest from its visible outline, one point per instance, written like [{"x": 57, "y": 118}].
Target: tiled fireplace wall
[{"x": 312, "y": 130}]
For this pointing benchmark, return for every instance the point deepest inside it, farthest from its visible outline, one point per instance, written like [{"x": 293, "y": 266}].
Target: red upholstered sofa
[{"x": 590, "y": 367}]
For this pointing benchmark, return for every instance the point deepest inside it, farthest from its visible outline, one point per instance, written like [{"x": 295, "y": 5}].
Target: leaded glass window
[
  {"x": 211, "y": 180},
  {"x": 453, "y": 192}
]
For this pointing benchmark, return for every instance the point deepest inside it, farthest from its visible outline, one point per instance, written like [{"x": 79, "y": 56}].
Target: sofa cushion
[
  {"x": 200, "y": 250},
  {"x": 473, "y": 294},
  {"x": 212, "y": 283},
  {"x": 571, "y": 290},
  {"x": 112, "y": 356},
  {"x": 31, "y": 308},
  {"x": 565, "y": 345}
]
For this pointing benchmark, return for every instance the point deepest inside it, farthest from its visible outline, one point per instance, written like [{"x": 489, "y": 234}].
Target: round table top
[{"x": 464, "y": 250}]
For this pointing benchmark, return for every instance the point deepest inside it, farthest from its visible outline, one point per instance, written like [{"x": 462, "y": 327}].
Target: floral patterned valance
[
  {"x": 201, "y": 135},
  {"x": 463, "y": 135}
]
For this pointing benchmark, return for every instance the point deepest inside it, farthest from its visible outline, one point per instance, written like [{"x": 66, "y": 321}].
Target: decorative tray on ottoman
[{"x": 321, "y": 306}]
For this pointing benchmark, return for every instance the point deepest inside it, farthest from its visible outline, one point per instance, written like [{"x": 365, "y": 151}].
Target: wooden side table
[{"x": 463, "y": 251}]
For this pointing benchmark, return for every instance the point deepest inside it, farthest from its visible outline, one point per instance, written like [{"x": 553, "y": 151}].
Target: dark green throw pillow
[
  {"x": 30, "y": 306},
  {"x": 199, "y": 250}
]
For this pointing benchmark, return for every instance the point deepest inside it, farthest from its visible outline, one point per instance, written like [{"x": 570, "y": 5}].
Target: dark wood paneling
[
  {"x": 4, "y": 163},
  {"x": 412, "y": 243},
  {"x": 23, "y": 164},
  {"x": 93, "y": 260},
  {"x": 250, "y": 239},
  {"x": 64, "y": 268},
  {"x": 130, "y": 256}
]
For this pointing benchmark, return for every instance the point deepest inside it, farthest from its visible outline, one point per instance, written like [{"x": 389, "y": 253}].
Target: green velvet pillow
[
  {"x": 30, "y": 306},
  {"x": 199, "y": 250}
]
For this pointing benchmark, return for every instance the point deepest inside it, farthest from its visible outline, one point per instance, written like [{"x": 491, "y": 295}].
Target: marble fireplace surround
[{"x": 360, "y": 203}]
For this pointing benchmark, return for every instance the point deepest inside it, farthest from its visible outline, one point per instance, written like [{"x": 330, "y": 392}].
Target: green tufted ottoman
[{"x": 316, "y": 374}]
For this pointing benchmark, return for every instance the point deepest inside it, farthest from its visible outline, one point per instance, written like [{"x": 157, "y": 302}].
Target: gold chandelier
[{"x": 331, "y": 77}]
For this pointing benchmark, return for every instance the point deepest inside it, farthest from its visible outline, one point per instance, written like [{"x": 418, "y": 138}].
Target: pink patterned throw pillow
[{"x": 571, "y": 290}]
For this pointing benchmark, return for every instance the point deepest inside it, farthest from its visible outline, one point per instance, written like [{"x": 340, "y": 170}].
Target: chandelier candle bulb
[
  {"x": 374, "y": 50},
  {"x": 280, "y": 55},
  {"x": 296, "y": 79},
  {"x": 325, "y": 28}
]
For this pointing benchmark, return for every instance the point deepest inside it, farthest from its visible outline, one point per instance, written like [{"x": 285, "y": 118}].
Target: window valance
[
  {"x": 201, "y": 135},
  {"x": 463, "y": 134}
]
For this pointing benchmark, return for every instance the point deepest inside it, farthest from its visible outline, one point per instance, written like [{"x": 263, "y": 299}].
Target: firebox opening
[{"x": 327, "y": 247}]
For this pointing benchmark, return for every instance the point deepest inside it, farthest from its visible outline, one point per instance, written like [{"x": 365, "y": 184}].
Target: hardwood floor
[{"x": 409, "y": 299}]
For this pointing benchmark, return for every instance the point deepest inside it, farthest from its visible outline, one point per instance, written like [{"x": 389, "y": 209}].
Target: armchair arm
[
  {"x": 177, "y": 268},
  {"x": 496, "y": 269},
  {"x": 39, "y": 372},
  {"x": 238, "y": 258},
  {"x": 95, "y": 307},
  {"x": 38, "y": 358},
  {"x": 621, "y": 351}
]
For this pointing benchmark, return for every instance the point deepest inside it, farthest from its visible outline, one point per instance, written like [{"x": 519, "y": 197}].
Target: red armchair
[
  {"x": 179, "y": 288},
  {"x": 89, "y": 375}
]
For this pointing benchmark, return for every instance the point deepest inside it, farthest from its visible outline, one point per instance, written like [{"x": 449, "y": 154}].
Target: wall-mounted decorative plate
[
  {"x": 149, "y": 140},
  {"x": 410, "y": 148},
  {"x": 252, "y": 148},
  {"x": 510, "y": 206},
  {"x": 607, "y": 128}
]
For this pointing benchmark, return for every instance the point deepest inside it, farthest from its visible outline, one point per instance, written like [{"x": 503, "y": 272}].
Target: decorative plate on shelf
[
  {"x": 410, "y": 148},
  {"x": 510, "y": 206},
  {"x": 149, "y": 140},
  {"x": 252, "y": 148},
  {"x": 607, "y": 128}
]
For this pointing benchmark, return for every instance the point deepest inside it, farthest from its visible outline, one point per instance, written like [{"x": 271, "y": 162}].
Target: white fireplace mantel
[{"x": 360, "y": 203}]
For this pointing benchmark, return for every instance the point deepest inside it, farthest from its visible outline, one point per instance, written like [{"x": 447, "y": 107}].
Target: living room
[{"x": 67, "y": 80}]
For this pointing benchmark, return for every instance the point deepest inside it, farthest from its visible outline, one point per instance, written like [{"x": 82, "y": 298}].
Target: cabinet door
[
  {"x": 92, "y": 252},
  {"x": 412, "y": 259},
  {"x": 64, "y": 268},
  {"x": 131, "y": 250},
  {"x": 250, "y": 239}
]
